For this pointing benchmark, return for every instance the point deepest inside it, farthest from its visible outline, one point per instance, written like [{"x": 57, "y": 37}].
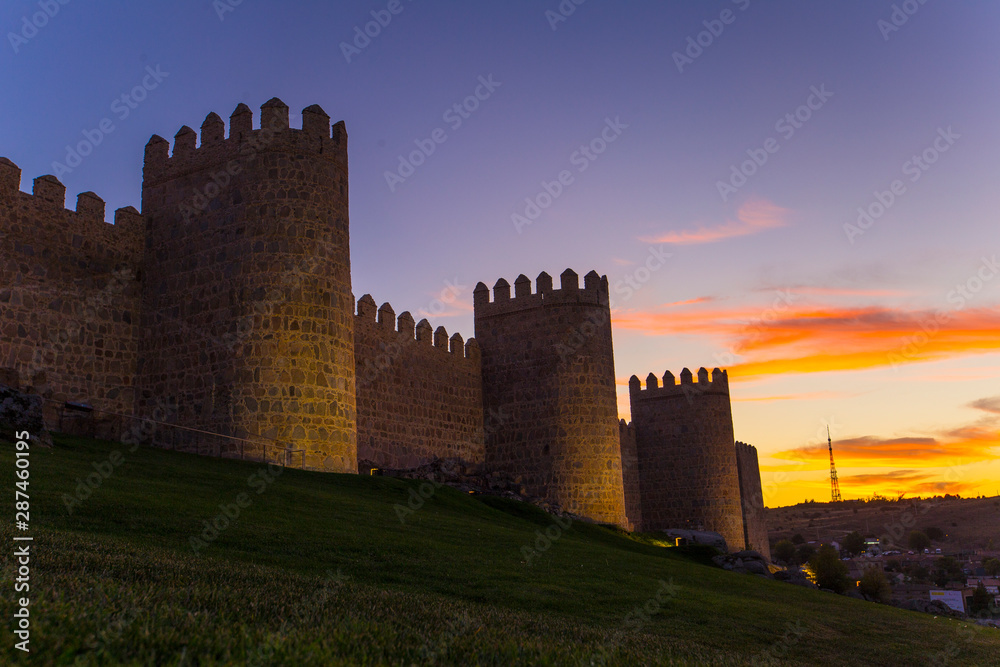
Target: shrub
[
  {"x": 874, "y": 585},
  {"x": 830, "y": 571},
  {"x": 934, "y": 533},
  {"x": 784, "y": 551},
  {"x": 980, "y": 601},
  {"x": 803, "y": 553},
  {"x": 918, "y": 540},
  {"x": 854, "y": 544}
]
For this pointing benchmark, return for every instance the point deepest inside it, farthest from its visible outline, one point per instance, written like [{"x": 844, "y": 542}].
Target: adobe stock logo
[
  {"x": 899, "y": 17},
  {"x": 696, "y": 44},
  {"x": 581, "y": 158},
  {"x": 914, "y": 168},
  {"x": 30, "y": 25},
  {"x": 455, "y": 116},
  {"x": 122, "y": 107},
  {"x": 786, "y": 126},
  {"x": 381, "y": 18}
]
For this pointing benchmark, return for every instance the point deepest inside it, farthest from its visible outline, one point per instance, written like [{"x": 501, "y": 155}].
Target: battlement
[
  {"x": 316, "y": 136},
  {"x": 718, "y": 385},
  {"x": 384, "y": 317},
  {"x": 752, "y": 499},
  {"x": 48, "y": 197},
  {"x": 594, "y": 291}
]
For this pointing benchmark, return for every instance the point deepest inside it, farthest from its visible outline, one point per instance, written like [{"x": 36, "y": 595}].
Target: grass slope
[{"x": 319, "y": 569}]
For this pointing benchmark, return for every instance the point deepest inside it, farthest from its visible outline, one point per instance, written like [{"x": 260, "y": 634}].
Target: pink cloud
[{"x": 756, "y": 215}]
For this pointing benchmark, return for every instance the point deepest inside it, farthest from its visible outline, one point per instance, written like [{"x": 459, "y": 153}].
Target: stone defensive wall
[
  {"x": 754, "y": 520},
  {"x": 247, "y": 300},
  {"x": 630, "y": 475},
  {"x": 69, "y": 293},
  {"x": 549, "y": 391},
  {"x": 684, "y": 437},
  {"x": 419, "y": 392}
]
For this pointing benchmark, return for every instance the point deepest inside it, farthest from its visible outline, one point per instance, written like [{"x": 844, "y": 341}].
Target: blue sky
[{"x": 766, "y": 282}]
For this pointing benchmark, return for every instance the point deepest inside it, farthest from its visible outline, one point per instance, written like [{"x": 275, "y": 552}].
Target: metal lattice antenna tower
[{"x": 834, "y": 484}]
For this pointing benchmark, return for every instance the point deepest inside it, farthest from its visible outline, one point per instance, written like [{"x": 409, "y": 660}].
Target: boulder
[
  {"x": 23, "y": 412},
  {"x": 698, "y": 537},
  {"x": 935, "y": 607},
  {"x": 794, "y": 576}
]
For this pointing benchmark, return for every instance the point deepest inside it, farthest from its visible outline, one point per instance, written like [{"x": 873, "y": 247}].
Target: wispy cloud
[
  {"x": 961, "y": 446},
  {"x": 844, "y": 291},
  {"x": 991, "y": 404},
  {"x": 909, "y": 482},
  {"x": 689, "y": 302},
  {"x": 811, "y": 339},
  {"x": 754, "y": 216},
  {"x": 804, "y": 396}
]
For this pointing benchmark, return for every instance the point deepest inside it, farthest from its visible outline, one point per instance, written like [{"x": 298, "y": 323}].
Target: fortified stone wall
[
  {"x": 248, "y": 294},
  {"x": 420, "y": 394},
  {"x": 229, "y": 301},
  {"x": 684, "y": 438},
  {"x": 548, "y": 367},
  {"x": 69, "y": 294},
  {"x": 630, "y": 475},
  {"x": 754, "y": 519}
]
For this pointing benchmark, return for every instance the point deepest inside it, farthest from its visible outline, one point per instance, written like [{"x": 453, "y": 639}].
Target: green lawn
[{"x": 319, "y": 569}]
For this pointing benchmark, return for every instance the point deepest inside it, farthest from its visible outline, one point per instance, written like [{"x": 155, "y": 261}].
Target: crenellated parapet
[
  {"x": 383, "y": 318},
  {"x": 717, "y": 385},
  {"x": 630, "y": 474},
  {"x": 419, "y": 390},
  {"x": 70, "y": 286},
  {"x": 230, "y": 298},
  {"x": 254, "y": 221},
  {"x": 46, "y": 206},
  {"x": 684, "y": 443},
  {"x": 594, "y": 291},
  {"x": 548, "y": 364},
  {"x": 316, "y": 136},
  {"x": 752, "y": 499}
]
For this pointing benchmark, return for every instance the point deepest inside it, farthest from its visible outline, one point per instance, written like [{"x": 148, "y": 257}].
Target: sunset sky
[{"x": 734, "y": 169}]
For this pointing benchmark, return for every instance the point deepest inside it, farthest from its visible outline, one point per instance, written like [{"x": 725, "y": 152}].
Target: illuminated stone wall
[
  {"x": 247, "y": 299},
  {"x": 548, "y": 374},
  {"x": 420, "y": 393},
  {"x": 69, "y": 294},
  {"x": 229, "y": 301}
]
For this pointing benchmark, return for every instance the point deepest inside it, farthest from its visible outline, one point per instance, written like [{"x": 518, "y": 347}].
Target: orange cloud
[
  {"x": 885, "y": 478},
  {"x": 689, "y": 302},
  {"x": 908, "y": 482},
  {"x": 973, "y": 446},
  {"x": 756, "y": 215},
  {"x": 792, "y": 338}
]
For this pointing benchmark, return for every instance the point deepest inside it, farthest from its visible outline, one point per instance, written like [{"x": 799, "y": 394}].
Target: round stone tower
[
  {"x": 549, "y": 391},
  {"x": 688, "y": 477},
  {"x": 248, "y": 311}
]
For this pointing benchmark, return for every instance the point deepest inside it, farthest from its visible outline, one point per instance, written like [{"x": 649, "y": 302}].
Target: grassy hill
[{"x": 318, "y": 569}]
